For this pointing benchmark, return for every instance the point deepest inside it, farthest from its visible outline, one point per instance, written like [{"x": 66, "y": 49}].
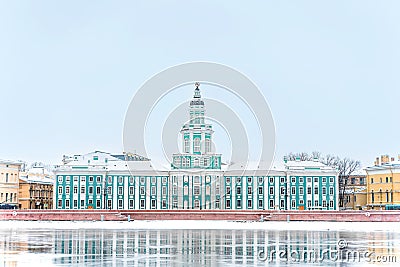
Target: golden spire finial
[{"x": 197, "y": 84}]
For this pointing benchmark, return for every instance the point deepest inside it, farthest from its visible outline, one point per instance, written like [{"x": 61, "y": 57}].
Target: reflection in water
[{"x": 94, "y": 247}]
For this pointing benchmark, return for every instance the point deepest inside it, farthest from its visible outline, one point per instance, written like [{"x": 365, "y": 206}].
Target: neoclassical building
[{"x": 197, "y": 179}]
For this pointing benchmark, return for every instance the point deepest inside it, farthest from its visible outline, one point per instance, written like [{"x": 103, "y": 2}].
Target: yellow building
[
  {"x": 9, "y": 180},
  {"x": 383, "y": 183},
  {"x": 36, "y": 189}
]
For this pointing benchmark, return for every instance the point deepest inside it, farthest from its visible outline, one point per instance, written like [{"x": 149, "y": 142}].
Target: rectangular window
[
  {"x": 197, "y": 179},
  {"x": 60, "y": 179},
  {"x": 271, "y": 204},
  {"x": 260, "y": 203},
  {"x": 60, "y": 190},
  {"x": 153, "y": 180},
  {"x": 120, "y": 203},
  {"x": 271, "y": 190},
  {"x": 82, "y": 204},
  {"x": 271, "y": 180},
  {"x": 331, "y": 203},
  {"x": 196, "y": 190},
  {"x": 249, "y": 204},
  {"x": 75, "y": 190},
  {"x": 308, "y": 179},
  {"x": 67, "y": 204},
  {"x": 293, "y": 190},
  {"x": 75, "y": 203},
  {"x": 110, "y": 179},
  {"x": 120, "y": 179},
  {"x": 174, "y": 190},
  {"x": 316, "y": 190},
  {"x": 131, "y": 203},
  {"x": 315, "y": 179},
  {"x": 131, "y": 181},
  {"x": 238, "y": 190},
  {"x": 60, "y": 203},
  {"x": 293, "y": 179},
  {"x": 249, "y": 190},
  {"x": 282, "y": 180},
  {"x": 249, "y": 180},
  {"x": 282, "y": 190},
  {"x": 142, "y": 190},
  {"x": 228, "y": 190},
  {"x": 316, "y": 204},
  {"x": 153, "y": 203},
  {"x": 238, "y": 180},
  {"x": 301, "y": 180},
  {"x": 228, "y": 180},
  {"x": 109, "y": 190},
  {"x": 98, "y": 203},
  {"x": 324, "y": 179},
  {"x": 98, "y": 190},
  {"x": 67, "y": 179},
  {"x": 174, "y": 203},
  {"x": 91, "y": 179},
  {"x": 324, "y": 203},
  {"x": 131, "y": 190},
  {"x": 282, "y": 204},
  {"x": 260, "y": 180},
  {"x": 164, "y": 204},
  {"x": 67, "y": 190},
  {"x": 239, "y": 203},
  {"x": 153, "y": 190},
  {"x": 75, "y": 180},
  {"x": 164, "y": 180},
  {"x": 109, "y": 203},
  {"x": 142, "y": 180},
  {"x": 331, "y": 180},
  {"x": 331, "y": 190},
  {"x": 293, "y": 204},
  {"x": 324, "y": 190},
  {"x": 228, "y": 204},
  {"x": 217, "y": 205},
  {"x": 120, "y": 190},
  {"x": 98, "y": 179},
  {"x": 309, "y": 203},
  {"x": 82, "y": 190},
  {"x": 260, "y": 190},
  {"x": 217, "y": 189},
  {"x": 309, "y": 190}
]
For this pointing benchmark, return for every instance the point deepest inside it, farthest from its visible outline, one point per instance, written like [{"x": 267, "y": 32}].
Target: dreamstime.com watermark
[{"x": 340, "y": 252}]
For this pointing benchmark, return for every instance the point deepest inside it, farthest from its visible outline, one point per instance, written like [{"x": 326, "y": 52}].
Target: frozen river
[{"x": 198, "y": 243}]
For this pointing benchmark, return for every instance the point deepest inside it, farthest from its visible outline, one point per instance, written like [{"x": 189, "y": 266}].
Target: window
[
  {"x": 153, "y": 190},
  {"x": 293, "y": 179},
  {"x": 315, "y": 179},
  {"x": 206, "y": 162},
  {"x": 98, "y": 190},
  {"x": 186, "y": 145},
  {"x": 131, "y": 203},
  {"x": 153, "y": 180},
  {"x": 153, "y": 203},
  {"x": 260, "y": 190},
  {"x": 228, "y": 190},
  {"x": 98, "y": 179},
  {"x": 120, "y": 179},
  {"x": 324, "y": 203},
  {"x": 142, "y": 190},
  {"x": 217, "y": 188},
  {"x": 83, "y": 179},
  {"x": 249, "y": 204},
  {"x": 98, "y": 204},
  {"x": 282, "y": 179},
  {"x": 331, "y": 190},
  {"x": 228, "y": 204},
  {"x": 282, "y": 190},
  {"x": 82, "y": 204},
  {"x": 324, "y": 179},
  {"x": 196, "y": 144},
  {"x": 271, "y": 203},
  {"x": 175, "y": 203},
  {"x": 142, "y": 180},
  {"x": 196, "y": 203},
  {"x": 196, "y": 162},
  {"x": 238, "y": 203},
  {"x": 109, "y": 190},
  {"x": 197, "y": 179},
  {"x": 260, "y": 203},
  {"x": 120, "y": 204},
  {"x": 131, "y": 181},
  {"x": 82, "y": 190},
  {"x": 75, "y": 190},
  {"x": 324, "y": 190},
  {"x": 75, "y": 180},
  {"x": 331, "y": 180},
  {"x": 109, "y": 179},
  {"x": 308, "y": 179},
  {"x": 238, "y": 180},
  {"x": 282, "y": 204},
  {"x": 67, "y": 204},
  {"x": 293, "y": 190},
  {"x": 301, "y": 180},
  {"x": 217, "y": 205},
  {"x": 249, "y": 190},
  {"x": 164, "y": 180},
  {"x": 331, "y": 203},
  {"x": 372, "y": 180},
  {"x": 228, "y": 180},
  {"x": 131, "y": 190},
  {"x": 271, "y": 190},
  {"x": 67, "y": 190},
  {"x": 164, "y": 204},
  {"x": 174, "y": 190},
  {"x": 91, "y": 179},
  {"x": 90, "y": 189},
  {"x": 260, "y": 180},
  {"x": 271, "y": 180},
  {"x": 60, "y": 179},
  {"x": 208, "y": 145},
  {"x": 249, "y": 180},
  {"x": 238, "y": 190},
  {"x": 316, "y": 190},
  {"x": 109, "y": 203},
  {"x": 196, "y": 190},
  {"x": 142, "y": 204},
  {"x": 387, "y": 179},
  {"x": 309, "y": 190},
  {"x": 301, "y": 202},
  {"x": 60, "y": 190},
  {"x": 60, "y": 203},
  {"x": 309, "y": 203},
  {"x": 316, "y": 204},
  {"x": 119, "y": 190},
  {"x": 293, "y": 204}
]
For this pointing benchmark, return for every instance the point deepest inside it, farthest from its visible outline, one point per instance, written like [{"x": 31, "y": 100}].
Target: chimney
[{"x": 377, "y": 161}]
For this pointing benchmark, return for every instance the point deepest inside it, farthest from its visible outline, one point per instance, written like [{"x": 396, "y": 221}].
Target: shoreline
[{"x": 204, "y": 225}]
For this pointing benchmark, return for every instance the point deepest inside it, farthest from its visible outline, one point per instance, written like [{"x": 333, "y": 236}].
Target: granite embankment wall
[{"x": 232, "y": 215}]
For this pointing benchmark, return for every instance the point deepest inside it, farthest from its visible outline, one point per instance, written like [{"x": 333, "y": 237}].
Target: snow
[{"x": 206, "y": 225}]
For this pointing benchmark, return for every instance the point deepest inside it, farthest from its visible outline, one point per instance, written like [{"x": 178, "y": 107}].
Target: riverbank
[{"x": 224, "y": 215}]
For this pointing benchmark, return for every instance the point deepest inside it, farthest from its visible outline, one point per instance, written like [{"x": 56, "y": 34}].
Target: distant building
[
  {"x": 9, "y": 176},
  {"x": 36, "y": 188},
  {"x": 383, "y": 183},
  {"x": 355, "y": 195},
  {"x": 197, "y": 179}
]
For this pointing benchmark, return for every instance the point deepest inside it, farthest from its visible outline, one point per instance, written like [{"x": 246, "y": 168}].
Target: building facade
[
  {"x": 36, "y": 189},
  {"x": 356, "y": 192},
  {"x": 197, "y": 179},
  {"x": 9, "y": 179},
  {"x": 383, "y": 183}
]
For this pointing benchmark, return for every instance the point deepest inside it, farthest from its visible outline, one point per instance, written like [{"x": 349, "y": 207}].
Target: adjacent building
[
  {"x": 356, "y": 192},
  {"x": 9, "y": 178},
  {"x": 383, "y": 183},
  {"x": 36, "y": 188},
  {"x": 197, "y": 179}
]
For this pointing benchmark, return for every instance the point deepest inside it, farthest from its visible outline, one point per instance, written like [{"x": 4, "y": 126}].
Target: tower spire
[{"x": 197, "y": 90}]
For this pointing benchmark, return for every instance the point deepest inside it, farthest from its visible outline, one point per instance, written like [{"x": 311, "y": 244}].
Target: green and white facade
[{"x": 197, "y": 179}]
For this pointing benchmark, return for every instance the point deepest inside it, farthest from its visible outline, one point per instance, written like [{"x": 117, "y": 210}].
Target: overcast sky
[{"x": 329, "y": 70}]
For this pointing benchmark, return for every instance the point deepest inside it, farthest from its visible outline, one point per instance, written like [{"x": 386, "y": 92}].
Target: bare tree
[{"x": 345, "y": 167}]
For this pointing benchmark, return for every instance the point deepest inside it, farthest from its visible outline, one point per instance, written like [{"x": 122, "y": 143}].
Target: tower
[{"x": 196, "y": 139}]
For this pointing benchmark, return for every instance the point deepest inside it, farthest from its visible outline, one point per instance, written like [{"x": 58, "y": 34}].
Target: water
[{"x": 27, "y": 246}]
